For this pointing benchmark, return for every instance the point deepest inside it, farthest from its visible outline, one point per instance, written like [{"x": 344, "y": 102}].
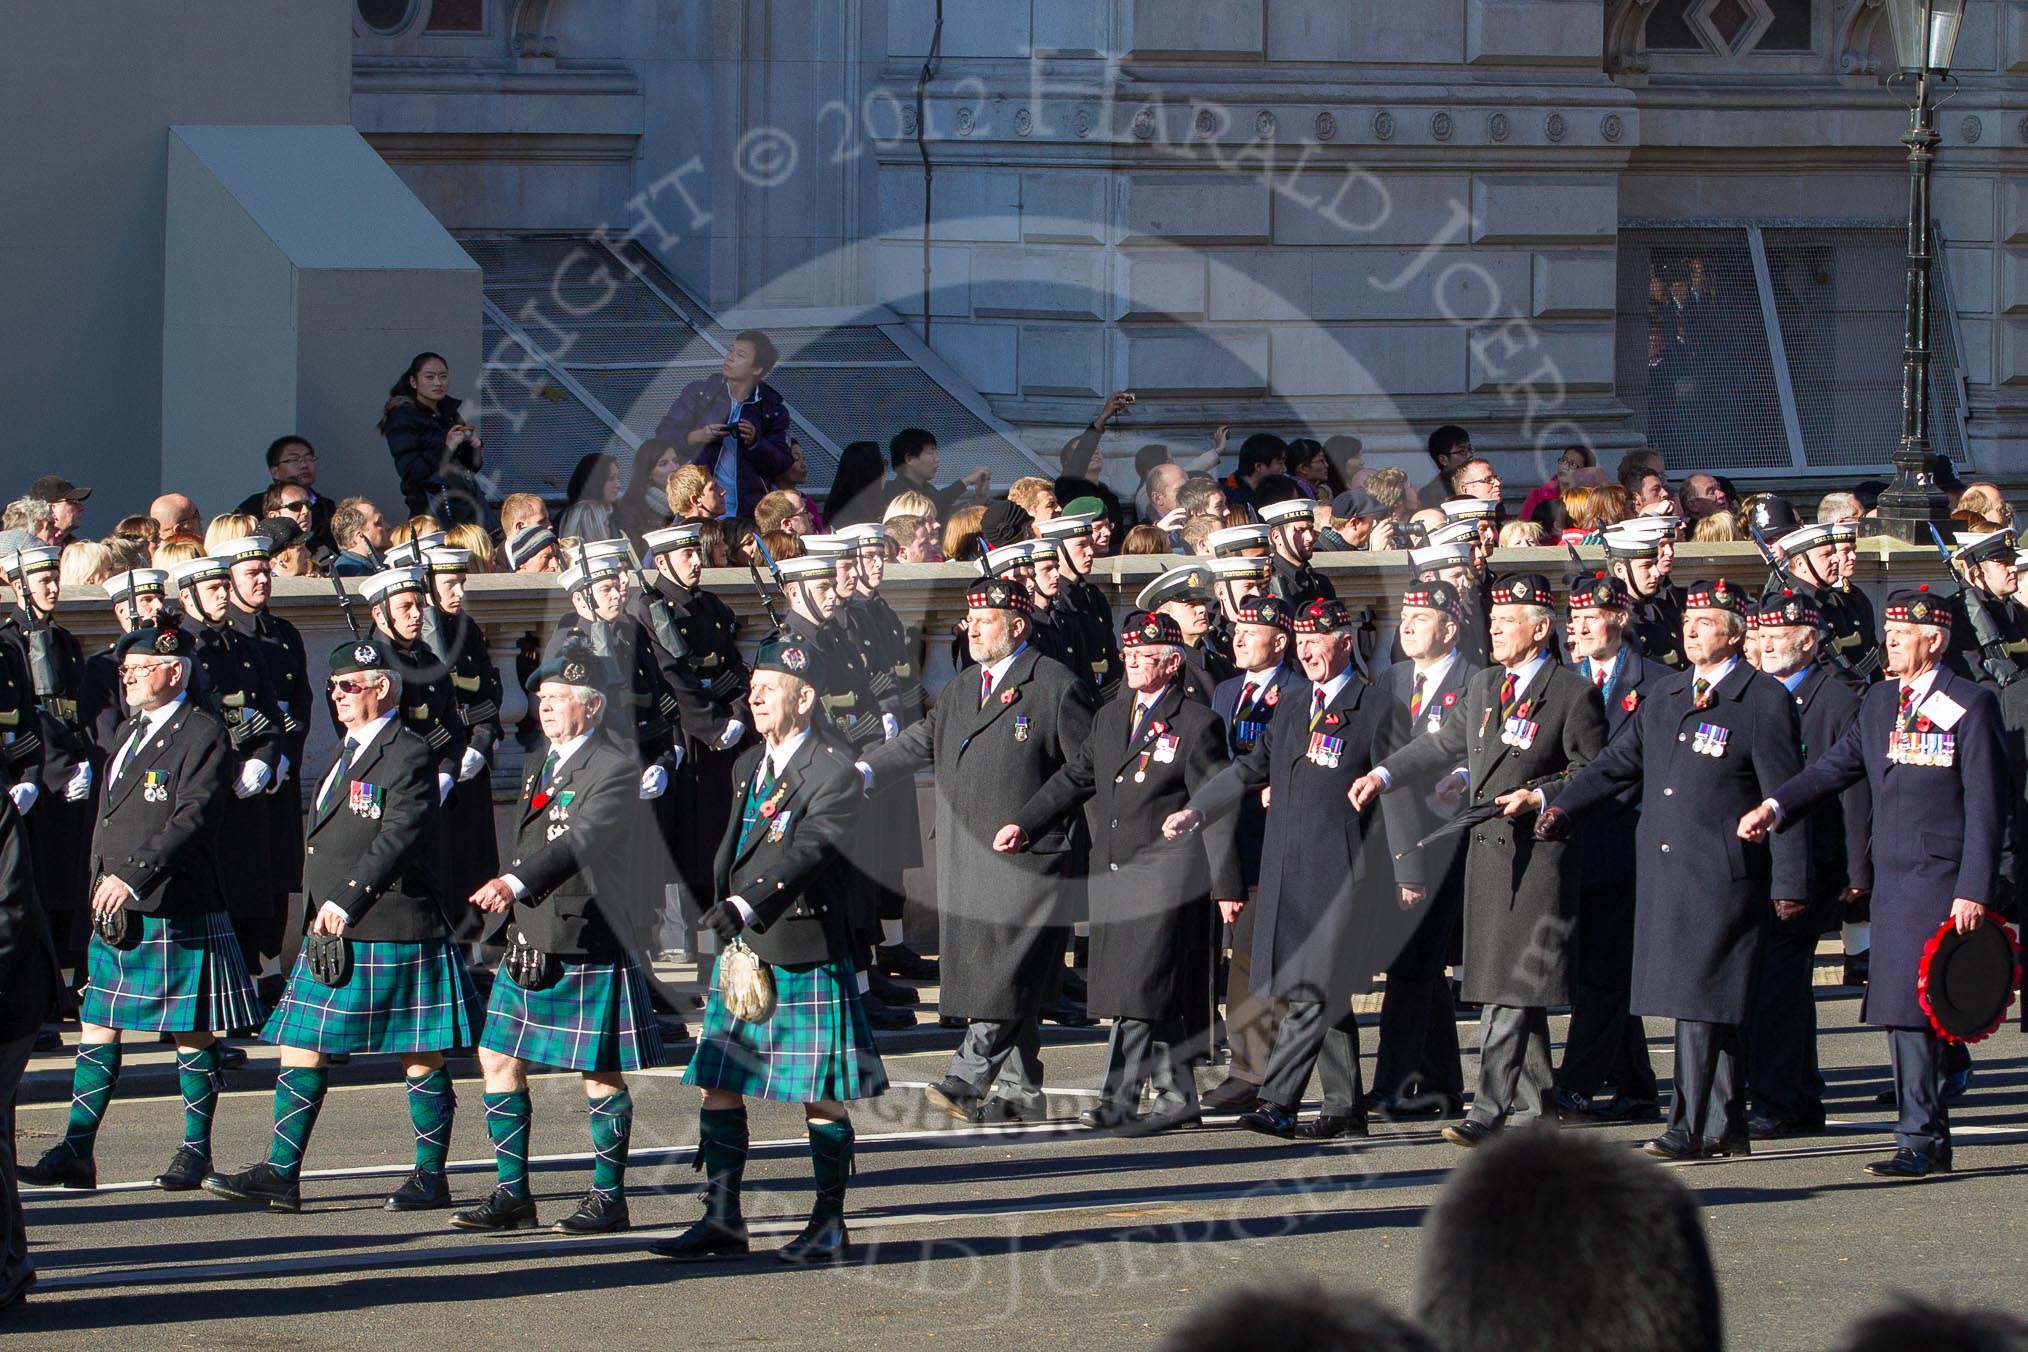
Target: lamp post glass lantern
[{"x": 1925, "y": 34}]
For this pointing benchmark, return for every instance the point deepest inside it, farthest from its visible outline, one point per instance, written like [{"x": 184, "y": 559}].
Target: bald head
[
  {"x": 175, "y": 514},
  {"x": 1164, "y": 482}
]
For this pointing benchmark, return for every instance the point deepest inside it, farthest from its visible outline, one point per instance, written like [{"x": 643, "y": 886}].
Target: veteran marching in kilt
[
  {"x": 784, "y": 1019},
  {"x": 571, "y": 994},
  {"x": 163, "y": 957},
  {"x": 379, "y": 970}
]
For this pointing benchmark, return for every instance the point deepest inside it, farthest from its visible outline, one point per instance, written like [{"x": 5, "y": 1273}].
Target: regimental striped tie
[
  {"x": 1415, "y": 699},
  {"x": 327, "y": 798}
]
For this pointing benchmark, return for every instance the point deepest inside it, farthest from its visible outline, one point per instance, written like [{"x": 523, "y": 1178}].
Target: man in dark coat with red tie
[
  {"x": 1929, "y": 743},
  {"x": 1714, "y": 738},
  {"x": 1527, "y": 722},
  {"x": 1330, "y": 911},
  {"x": 1151, "y": 897}
]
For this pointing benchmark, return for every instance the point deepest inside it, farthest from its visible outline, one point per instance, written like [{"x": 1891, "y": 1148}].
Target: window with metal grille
[{"x": 1776, "y": 349}]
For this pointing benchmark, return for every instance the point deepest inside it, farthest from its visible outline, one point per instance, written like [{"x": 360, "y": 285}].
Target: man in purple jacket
[{"x": 734, "y": 424}]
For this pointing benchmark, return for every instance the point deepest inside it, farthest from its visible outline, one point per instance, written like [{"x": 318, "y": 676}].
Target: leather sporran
[
  {"x": 116, "y": 928},
  {"x": 745, "y": 984},
  {"x": 528, "y": 966},
  {"x": 329, "y": 958}
]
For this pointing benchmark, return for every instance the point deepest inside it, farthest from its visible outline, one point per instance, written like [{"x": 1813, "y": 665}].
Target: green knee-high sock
[
  {"x": 831, "y": 1160},
  {"x": 721, "y": 1154},
  {"x": 612, "y": 1125},
  {"x": 299, "y": 1097},
  {"x": 507, "y": 1122},
  {"x": 197, "y": 1076},
  {"x": 92, "y": 1079},
  {"x": 432, "y": 1104}
]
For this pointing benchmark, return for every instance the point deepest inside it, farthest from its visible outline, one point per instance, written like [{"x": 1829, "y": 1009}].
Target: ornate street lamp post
[{"x": 1925, "y": 33}]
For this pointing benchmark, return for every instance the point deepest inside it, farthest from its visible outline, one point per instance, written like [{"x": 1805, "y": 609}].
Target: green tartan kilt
[
  {"x": 400, "y": 997},
  {"x": 816, "y": 1045},
  {"x": 185, "y": 975},
  {"x": 596, "y": 1017}
]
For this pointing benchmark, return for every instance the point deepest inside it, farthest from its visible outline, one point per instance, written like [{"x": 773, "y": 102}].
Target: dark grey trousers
[
  {"x": 14, "y": 1265},
  {"x": 1315, "y": 1036},
  {"x": 1151, "y": 1051},
  {"x": 1516, "y": 1083},
  {"x": 1002, "y": 1058},
  {"x": 1710, "y": 1101},
  {"x": 1923, "y": 1123}
]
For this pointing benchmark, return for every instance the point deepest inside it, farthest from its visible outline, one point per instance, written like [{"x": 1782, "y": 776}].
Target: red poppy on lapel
[
  {"x": 539, "y": 801},
  {"x": 1526, "y": 706},
  {"x": 1450, "y": 698},
  {"x": 1922, "y": 724},
  {"x": 1009, "y": 696},
  {"x": 1157, "y": 728},
  {"x": 1332, "y": 720},
  {"x": 1633, "y": 698},
  {"x": 1274, "y": 696}
]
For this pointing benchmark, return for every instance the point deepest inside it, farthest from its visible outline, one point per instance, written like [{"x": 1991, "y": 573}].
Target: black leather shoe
[
  {"x": 951, "y": 1021},
  {"x": 706, "y": 1239},
  {"x": 1624, "y": 1109},
  {"x": 955, "y": 1097},
  {"x": 1270, "y": 1119},
  {"x": 1908, "y": 1166},
  {"x": 59, "y": 1168},
  {"x": 885, "y": 1018},
  {"x": 1067, "y": 1013},
  {"x": 1469, "y": 1133},
  {"x": 1330, "y": 1126},
  {"x": 597, "y": 1214},
  {"x": 186, "y": 1171},
  {"x": 1857, "y": 968},
  {"x": 1105, "y": 1117},
  {"x": 1762, "y": 1126},
  {"x": 1164, "y": 1119},
  {"x": 47, "y": 1040},
  {"x": 823, "y": 1241},
  {"x": 1004, "y": 1110},
  {"x": 1233, "y": 1096},
  {"x": 1075, "y": 988},
  {"x": 891, "y": 992},
  {"x": 262, "y": 1185},
  {"x": 1731, "y": 1145},
  {"x": 230, "y": 1057},
  {"x": 1671, "y": 1147},
  {"x": 422, "y": 1190},
  {"x": 501, "y": 1210},
  {"x": 902, "y": 961},
  {"x": 12, "y": 1297}
]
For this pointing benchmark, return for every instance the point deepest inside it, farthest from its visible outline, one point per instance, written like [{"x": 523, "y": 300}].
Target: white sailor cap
[
  {"x": 682, "y": 535},
  {"x": 192, "y": 571},
  {"x": 1440, "y": 555},
  {"x": 136, "y": 582},
  {"x": 391, "y": 582},
  {"x": 1804, "y": 537},
  {"x": 1229, "y": 540},
  {"x": 1287, "y": 510},
  {"x": 806, "y": 566},
  {"x": 1470, "y": 509}
]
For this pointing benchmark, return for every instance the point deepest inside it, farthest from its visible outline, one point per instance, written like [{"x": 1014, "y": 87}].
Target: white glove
[
  {"x": 676, "y": 755},
  {"x": 24, "y": 795},
  {"x": 734, "y": 730},
  {"x": 444, "y": 786},
  {"x": 654, "y": 782},
  {"x": 253, "y": 777},
  {"x": 471, "y": 766},
  {"x": 890, "y": 727},
  {"x": 80, "y": 786},
  {"x": 281, "y": 774},
  {"x": 865, "y": 773}
]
